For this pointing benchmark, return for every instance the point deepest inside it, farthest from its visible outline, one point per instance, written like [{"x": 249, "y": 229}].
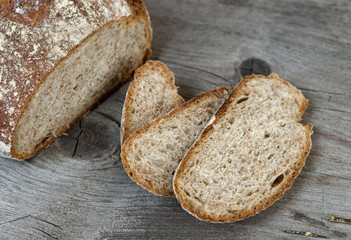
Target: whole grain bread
[
  {"x": 151, "y": 95},
  {"x": 152, "y": 153},
  {"x": 249, "y": 155},
  {"x": 59, "y": 59}
]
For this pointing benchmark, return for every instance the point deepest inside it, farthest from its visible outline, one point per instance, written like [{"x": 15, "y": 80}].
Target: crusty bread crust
[
  {"x": 277, "y": 192},
  {"x": 126, "y": 121},
  {"x": 8, "y": 121},
  {"x": 126, "y": 148}
]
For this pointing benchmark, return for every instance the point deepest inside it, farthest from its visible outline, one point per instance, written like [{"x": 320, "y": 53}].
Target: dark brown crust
[
  {"x": 279, "y": 192},
  {"x": 169, "y": 76},
  {"x": 128, "y": 143},
  {"x": 139, "y": 8}
]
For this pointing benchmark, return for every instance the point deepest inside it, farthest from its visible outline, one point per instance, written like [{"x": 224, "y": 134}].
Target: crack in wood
[
  {"x": 14, "y": 220},
  {"x": 48, "y": 234},
  {"x": 338, "y": 219},
  {"x": 316, "y": 223},
  {"x": 306, "y": 234},
  {"x": 77, "y": 138},
  {"x": 311, "y": 221},
  {"x": 43, "y": 220},
  {"x": 31, "y": 216}
]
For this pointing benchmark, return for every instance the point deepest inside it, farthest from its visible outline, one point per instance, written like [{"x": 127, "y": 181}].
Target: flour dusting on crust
[{"x": 4, "y": 149}]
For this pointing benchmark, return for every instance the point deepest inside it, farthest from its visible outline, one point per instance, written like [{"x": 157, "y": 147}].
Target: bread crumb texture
[
  {"x": 250, "y": 154},
  {"x": 152, "y": 94}
]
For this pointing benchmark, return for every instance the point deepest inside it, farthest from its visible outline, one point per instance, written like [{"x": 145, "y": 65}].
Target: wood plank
[{"x": 77, "y": 188}]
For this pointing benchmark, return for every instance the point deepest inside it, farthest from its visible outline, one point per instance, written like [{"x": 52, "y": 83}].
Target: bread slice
[
  {"x": 249, "y": 155},
  {"x": 152, "y": 153},
  {"x": 151, "y": 95},
  {"x": 58, "y": 60}
]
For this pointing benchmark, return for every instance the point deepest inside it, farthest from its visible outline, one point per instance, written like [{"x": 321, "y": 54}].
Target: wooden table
[{"x": 77, "y": 188}]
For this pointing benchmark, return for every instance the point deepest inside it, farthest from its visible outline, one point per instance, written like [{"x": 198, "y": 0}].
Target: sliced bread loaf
[
  {"x": 152, "y": 153},
  {"x": 58, "y": 60},
  {"x": 150, "y": 95},
  {"x": 249, "y": 155}
]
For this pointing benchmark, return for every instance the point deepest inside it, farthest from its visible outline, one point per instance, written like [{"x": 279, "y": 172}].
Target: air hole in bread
[
  {"x": 270, "y": 156},
  {"x": 137, "y": 158},
  {"x": 244, "y": 179},
  {"x": 267, "y": 135},
  {"x": 232, "y": 211},
  {"x": 198, "y": 199},
  {"x": 231, "y": 121},
  {"x": 278, "y": 180},
  {"x": 242, "y": 100},
  {"x": 187, "y": 193}
]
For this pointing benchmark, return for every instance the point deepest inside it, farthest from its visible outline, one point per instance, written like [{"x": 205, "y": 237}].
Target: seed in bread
[{"x": 249, "y": 155}]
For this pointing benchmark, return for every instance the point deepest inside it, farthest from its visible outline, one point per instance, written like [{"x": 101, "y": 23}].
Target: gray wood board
[{"x": 77, "y": 188}]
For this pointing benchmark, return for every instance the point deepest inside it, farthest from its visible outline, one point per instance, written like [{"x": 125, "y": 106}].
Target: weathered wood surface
[{"x": 77, "y": 189}]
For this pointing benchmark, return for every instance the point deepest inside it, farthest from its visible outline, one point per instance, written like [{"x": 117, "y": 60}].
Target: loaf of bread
[
  {"x": 152, "y": 153},
  {"x": 152, "y": 94},
  {"x": 249, "y": 155},
  {"x": 58, "y": 59}
]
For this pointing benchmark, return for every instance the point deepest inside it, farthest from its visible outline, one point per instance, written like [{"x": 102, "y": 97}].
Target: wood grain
[{"x": 77, "y": 188}]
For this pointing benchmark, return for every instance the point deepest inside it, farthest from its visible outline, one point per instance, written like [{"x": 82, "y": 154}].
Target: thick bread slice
[
  {"x": 151, "y": 95},
  {"x": 250, "y": 154},
  {"x": 152, "y": 153}
]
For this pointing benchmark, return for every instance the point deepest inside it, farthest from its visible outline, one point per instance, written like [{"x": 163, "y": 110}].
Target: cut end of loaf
[
  {"x": 152, "y": 94},
  {"x": 249, "y": 156},
  {"x": 152, "y": 154},
  {"x": 100, "y": 63}
]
